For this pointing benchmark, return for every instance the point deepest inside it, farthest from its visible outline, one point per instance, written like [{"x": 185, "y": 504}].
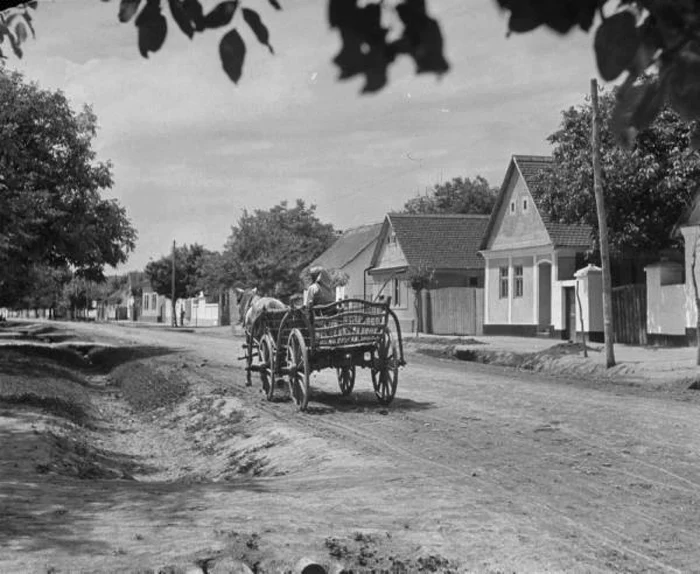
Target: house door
[{"x": 570, "y": 313}]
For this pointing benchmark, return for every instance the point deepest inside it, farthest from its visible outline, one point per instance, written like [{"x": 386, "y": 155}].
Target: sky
[{"x": 191, "y": 150}]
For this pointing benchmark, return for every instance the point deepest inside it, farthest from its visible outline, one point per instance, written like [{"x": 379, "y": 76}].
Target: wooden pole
[
  {"x": 602, "y": 229},
  {"x": 172, "y": 289}
]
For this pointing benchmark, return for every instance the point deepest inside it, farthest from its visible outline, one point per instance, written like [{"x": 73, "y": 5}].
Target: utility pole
[
  {"x": 602, "y": 229},
  {"x": 172, "y": 289}
]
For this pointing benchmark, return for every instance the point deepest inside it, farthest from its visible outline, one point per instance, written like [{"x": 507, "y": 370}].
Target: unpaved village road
[{"x": 472, "y": 468}]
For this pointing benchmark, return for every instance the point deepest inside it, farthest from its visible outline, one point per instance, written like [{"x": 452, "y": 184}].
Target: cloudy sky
[{"x": 191, "y": 149}]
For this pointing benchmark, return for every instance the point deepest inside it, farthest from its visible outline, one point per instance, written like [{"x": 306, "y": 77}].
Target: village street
[{"x": 471, "y": 468}]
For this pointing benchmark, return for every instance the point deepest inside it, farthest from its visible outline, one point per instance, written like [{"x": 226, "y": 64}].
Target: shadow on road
[{"x": 359, "y": 401}]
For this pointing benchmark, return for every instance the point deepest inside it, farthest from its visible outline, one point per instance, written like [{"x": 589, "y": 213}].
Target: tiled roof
[
  {"x": 441, "y": 241},
  {"x": 348, "y": 246},
  {"x": 532, "y": 168}
]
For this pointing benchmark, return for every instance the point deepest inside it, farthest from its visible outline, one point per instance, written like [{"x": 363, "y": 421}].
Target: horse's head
[{"x": 244, "y": 299}]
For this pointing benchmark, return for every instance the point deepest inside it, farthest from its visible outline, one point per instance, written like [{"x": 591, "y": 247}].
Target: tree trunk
[
  {"x": 580, "y": 313},
  {"x": 418, "y": 307},
  {"x": 602, "y": 230},
  {"x": 697, "y": 301}
]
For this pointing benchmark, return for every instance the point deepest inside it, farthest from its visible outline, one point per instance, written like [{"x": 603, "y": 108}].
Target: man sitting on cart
[{"x": 320, "y": 292}]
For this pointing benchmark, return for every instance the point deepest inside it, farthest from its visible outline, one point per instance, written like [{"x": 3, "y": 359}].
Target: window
[
  {"x": 518, "y": 281},
  {"x": 154, "y": 301},
  {"x": 524, "y": 204},
  {"x": 396, "y": 293},
  {"x": 145, "y": 302},
  {"x": 503, "y": 291},
  {"x": 473, "y": 281},
  {"x": 512, "y": 207}
]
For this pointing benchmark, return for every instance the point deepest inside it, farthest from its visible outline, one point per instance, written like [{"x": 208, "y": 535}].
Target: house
[
  {"x": 351, "y": 254},
  {"x": 444, "y": 246},
  {"x": 671, "y": 291},
  {"x": 530, "y": 261}
]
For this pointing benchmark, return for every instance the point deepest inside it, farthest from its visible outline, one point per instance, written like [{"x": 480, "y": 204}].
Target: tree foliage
[
  {"x": 189, "y": 260},
  {"x": 646, "y": 187},
  {"x": 268, "y": 249},
  {"x": 51, "y": 211},
  {"x": 632, "y": 37},
  {"x": 459, "y": 195}
]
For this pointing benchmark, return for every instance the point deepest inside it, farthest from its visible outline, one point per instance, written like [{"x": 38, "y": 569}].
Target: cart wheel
[
  {"x": 346, "y": 379},
  {"x": 267, "y": 366},
  {"x": 249, "y": 360},
  {"x": 298, "y": 368},
  {"x": 385, "y": 369}
]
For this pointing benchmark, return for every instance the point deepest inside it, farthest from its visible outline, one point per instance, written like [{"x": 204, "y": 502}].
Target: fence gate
[
  {"x": 455, "y": 311},
  {"x": 629, "y": 304}
]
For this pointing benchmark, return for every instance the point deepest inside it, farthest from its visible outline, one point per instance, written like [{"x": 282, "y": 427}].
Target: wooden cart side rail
[{"x": 402, "y": 361}]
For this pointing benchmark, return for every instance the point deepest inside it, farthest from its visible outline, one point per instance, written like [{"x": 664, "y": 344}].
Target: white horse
[{"x": 251, "y": 305}]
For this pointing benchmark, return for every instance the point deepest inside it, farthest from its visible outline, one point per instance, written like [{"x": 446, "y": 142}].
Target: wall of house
[
  {"x": 498, "y": 307},
  {"x": 405, "y": 308},
  {"x": 458, "y": 278},
  {"x": 356, "y": 270},
  {"x": 518, "y": 223},
  {"x": 667, "y": 302},
  {"x": 522, "y": 307}
]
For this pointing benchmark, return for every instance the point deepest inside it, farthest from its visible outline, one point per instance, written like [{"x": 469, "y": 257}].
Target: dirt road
[{"x": 472, "y": 468}]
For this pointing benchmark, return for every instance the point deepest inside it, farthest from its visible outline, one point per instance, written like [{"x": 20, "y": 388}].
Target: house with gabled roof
[
  {"x": 350, "y": 255},
  {"x": 530, "y": 261},
  {"x": 444, "y": 245}
]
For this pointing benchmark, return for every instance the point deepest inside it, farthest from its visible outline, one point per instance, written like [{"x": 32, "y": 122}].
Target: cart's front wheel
[
  {"x": 346, "y": 379},
  {"x": 385, "y": 369},
  {"x": 250, "y": 349},
  {"x": 298, "y": 369},
  {"x": 267, "y": 366}
]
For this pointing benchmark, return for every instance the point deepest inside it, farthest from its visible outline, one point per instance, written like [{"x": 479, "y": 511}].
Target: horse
[{"x": 251, "y": 305}]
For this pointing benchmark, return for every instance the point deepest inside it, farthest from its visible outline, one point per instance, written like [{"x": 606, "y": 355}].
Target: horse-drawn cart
[{"x": 344, "y": 335}]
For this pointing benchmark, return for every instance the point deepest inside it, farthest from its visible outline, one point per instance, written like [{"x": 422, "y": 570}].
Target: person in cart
[{"x": 320, "y": 292}]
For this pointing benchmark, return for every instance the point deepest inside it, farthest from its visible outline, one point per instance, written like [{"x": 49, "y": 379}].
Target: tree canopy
[
  {"x": 632, "y": 37},
  {"x": 459, "y": 195},
  {"x": 189, "y": 260},
  {"x": 646, "y": 187},
  {"x": 268, "y": 249},
  {"x": 51, "y": 211}
]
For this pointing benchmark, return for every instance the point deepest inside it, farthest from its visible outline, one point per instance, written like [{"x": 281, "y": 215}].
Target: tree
[
  {"x": 458, "y": 195},
  {"x": 188, "y": 266},
  {"x": 646, "y": 187},
  {"x": 269, "y": 249},
  {"x": 633, "y": 37},
  {"x": 51, "y": 212}
]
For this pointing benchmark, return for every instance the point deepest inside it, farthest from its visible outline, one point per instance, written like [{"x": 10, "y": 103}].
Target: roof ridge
[
  {"x": 451, "y": 215},
  {"x": 542, "y": 158}
]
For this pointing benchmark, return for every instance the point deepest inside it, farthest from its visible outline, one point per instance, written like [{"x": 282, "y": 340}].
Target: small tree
[
  {"x": 188, "y": 265},
  {"x": 419, "y": 277}
]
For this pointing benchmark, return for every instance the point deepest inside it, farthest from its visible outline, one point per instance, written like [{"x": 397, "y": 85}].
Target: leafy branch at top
[{"x": 636, "y": 38}]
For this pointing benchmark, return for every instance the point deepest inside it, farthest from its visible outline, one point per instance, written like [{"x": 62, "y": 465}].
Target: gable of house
[
  {"x": 517, "y": 220},
  {"x": 388, "y": 253}
]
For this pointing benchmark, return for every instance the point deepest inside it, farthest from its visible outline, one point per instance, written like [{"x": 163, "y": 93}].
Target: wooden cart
[{"x": 344, "y": 335}]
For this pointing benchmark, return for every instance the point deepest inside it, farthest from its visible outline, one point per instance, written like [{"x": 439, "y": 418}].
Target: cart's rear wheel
[
  {"x": 298, "y": 369},
  {"x": 346, "y": 379},
  {"x": 267, "y": 366},
  {"x": 385, "y": 369}
]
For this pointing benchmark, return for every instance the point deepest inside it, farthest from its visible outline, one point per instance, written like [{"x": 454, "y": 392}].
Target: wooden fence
[
  {"x": 454, "y": 311},
  {"x": 630, "y": 314}
]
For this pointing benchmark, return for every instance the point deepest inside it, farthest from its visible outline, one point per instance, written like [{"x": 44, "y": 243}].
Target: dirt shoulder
[
  {"x": 663, "y": 368},
  {"x": 138, "y": 450}
]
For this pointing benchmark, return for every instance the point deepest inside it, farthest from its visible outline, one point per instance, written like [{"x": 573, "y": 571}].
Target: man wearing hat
[{"x": 320, "y": 291}]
